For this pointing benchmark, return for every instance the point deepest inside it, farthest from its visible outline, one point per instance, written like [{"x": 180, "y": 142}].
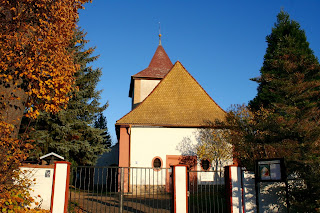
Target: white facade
[
  {"x": 142, "y": 88},
  {"x": 146, "y": 143},
  {"x": 146, "y": 87},
  {"x": 149, "y": 142}
]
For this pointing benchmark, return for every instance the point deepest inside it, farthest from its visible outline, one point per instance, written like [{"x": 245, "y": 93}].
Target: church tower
[{"x": 144, "y": 82}]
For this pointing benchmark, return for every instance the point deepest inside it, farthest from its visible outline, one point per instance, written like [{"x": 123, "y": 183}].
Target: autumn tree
[
  {"x": 213, "y": 146},
  {"x": 252, "y": 136},
  {"x": 36, "y": 68},
  {"x": 36, "y": 73},
  {"x": 78, "y": 132}
]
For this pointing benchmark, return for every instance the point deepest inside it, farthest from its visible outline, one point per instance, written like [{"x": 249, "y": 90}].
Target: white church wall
[
  {"x": 146, "y": 143},
  {"x": 150, "y": 142},
  {"x": 146, "y": 87}
]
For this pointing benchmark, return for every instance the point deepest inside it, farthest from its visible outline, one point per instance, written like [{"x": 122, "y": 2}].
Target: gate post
[
  {"x": 180, "y": 189},
  {"x": 234, "y": 189},
  {"x": 60, "y": 187}
]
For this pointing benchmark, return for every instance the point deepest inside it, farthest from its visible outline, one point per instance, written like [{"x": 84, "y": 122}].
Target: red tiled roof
[{"x": 159, "y": 65}]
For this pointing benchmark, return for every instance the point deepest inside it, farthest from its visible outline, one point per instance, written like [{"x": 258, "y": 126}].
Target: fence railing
[
  {"x": 206, "y": 192},
  {"x": 119, "y": 189}
]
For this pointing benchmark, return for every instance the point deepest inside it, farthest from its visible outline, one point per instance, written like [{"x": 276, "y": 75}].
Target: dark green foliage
[
  {"x": 101, "y": 123},
  {"x": 71, "y": 132},
  {"x": 288, "y": 62},
  {"x": 286, "y": 108}
]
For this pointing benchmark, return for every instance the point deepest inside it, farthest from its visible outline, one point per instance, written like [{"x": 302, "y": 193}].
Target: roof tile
[{"x": 159, "y": 66}]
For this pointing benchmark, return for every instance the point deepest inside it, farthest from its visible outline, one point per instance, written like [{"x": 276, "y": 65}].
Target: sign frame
[{"x": 270, "y": 170}]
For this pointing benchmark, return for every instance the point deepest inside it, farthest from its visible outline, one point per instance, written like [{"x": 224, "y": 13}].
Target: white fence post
[
  {"x": 240, "y": 190},
  {"x": 60, "y": 187},
  {"x": 233, "y": 182},
  {"x": 180, "y": 189}
]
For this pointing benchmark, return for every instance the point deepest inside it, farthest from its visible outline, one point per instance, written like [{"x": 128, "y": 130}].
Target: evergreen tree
[
  {"x": 101, "y": 123},
  {"x": 70, "y": 133},
  {"x": 289, "y": 62},
  {"x": 287, "y": 114}
]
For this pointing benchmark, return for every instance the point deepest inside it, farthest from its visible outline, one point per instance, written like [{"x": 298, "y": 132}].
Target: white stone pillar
[
  {"x": 180, "y": 189},
  {"x": 234, "y": 187},
  {"x": 60, "y": 187}
]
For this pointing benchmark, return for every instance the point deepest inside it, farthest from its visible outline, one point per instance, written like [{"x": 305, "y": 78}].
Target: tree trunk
[{"x": 12, "y": 105}]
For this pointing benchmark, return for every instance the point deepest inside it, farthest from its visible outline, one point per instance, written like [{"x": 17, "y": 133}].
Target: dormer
[{"x": 144, "y": 82}]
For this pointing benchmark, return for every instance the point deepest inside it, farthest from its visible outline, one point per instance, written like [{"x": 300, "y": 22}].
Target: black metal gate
[
  {"x": 115, "y": 189},
  {"x": 206, "y": 192}
]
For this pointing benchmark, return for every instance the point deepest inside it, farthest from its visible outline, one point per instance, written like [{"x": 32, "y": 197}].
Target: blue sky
[{"x": 220, "y": 43}]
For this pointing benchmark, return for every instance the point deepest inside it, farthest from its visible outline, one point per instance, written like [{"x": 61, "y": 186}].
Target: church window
[
  {"x": 156, "y": 163},
  {"x": 205, "y": 164}
]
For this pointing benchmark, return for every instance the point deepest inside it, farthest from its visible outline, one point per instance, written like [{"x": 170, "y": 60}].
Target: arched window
[
  {"x": 156, "y": 163},
  {"x": 205, "y": 164}
]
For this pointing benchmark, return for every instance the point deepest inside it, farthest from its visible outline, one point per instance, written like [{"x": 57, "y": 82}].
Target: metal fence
[
  {"x": 115, "y": 189},
  {"x": 206, "y": 192}
]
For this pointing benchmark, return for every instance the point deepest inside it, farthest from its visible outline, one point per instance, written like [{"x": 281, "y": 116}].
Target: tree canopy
[
  {"x": 284, "y": 117},
  {"x": 79, "y": 131},
  {"x": 36, "y": 68},
  {"x": 289, "y": 74},
  {"x": 36, "y": 74}
]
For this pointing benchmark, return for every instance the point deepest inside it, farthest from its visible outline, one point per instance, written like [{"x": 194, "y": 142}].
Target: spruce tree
[
  {"x": 287, "y": 108},
  {"x": 71, "y": 132},
  {"x": 288, "y": 61},
  {"x": 101, "y": 123}
]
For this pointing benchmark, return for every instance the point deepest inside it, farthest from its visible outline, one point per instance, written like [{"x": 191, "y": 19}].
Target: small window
[
  {"x": 156, "y": 163},
  {"x": 205, "y": 164}
]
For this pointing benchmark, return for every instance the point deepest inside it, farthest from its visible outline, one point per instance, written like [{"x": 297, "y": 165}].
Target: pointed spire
[{"x": 159, "y": 66}]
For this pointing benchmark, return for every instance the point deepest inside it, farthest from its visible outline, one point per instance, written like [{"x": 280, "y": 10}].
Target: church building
[{"x": 168, "y": 108}]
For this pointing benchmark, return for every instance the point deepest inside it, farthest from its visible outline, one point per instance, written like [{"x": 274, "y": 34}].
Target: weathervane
[{"x": 159, "y": 34}]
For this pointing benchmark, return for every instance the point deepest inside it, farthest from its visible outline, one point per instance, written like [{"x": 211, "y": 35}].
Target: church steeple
[
  {"x": 159, "y": 66},
  {"x": 144, "y": 82}
]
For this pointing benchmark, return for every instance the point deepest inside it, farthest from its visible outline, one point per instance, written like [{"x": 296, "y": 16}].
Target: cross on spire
[{"x": 159, "y": 34}]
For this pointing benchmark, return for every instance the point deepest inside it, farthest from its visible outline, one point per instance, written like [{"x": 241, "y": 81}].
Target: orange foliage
[
  {"x": 14, "y": 193},
  {"x": 37, "y": 72},
  {"x": 34, "y": 36}
]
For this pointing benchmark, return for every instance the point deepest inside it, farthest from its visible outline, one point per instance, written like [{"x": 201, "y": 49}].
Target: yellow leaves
[
  {"x": 213, "y": 144},
  {"x": 37, "y": 44},
  {"x": 31, "y": 113},
  {"x": 14, "y": 196}
]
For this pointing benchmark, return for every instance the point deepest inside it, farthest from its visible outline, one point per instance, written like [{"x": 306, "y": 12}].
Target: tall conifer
[
  {"x": 289, "y": 62},
  {"x": 288, "y": 107},
  {"x": 71, "y": 132}
]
